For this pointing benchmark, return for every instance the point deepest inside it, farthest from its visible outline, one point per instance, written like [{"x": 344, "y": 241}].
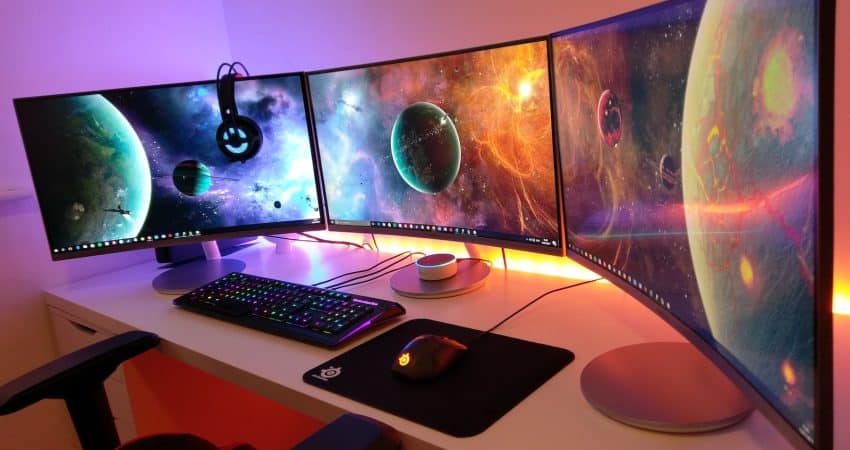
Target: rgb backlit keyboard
[{"x": 319, "y": 316}]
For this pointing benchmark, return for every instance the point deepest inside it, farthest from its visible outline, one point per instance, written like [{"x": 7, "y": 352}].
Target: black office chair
[{"x": 77, "y": 378}]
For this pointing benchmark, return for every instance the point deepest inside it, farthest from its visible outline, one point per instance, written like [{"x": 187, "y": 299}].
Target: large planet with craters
[
  {"x": 97, "y": 168},
  {"x": 425, "y": 147},
  {"x": 749, "y": 153}
]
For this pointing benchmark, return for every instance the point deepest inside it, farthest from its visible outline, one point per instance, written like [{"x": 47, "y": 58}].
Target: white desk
[{"x": 587, "y": 320}]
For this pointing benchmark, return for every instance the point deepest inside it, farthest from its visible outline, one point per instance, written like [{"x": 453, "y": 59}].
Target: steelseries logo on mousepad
[{"x": 327, "y": 373}]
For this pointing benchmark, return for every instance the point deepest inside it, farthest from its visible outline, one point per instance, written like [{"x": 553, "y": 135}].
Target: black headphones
[{"x": 238, "y": 137}]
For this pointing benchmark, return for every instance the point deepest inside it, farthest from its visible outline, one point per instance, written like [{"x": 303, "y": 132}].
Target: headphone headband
[
  {"x": 227, "y": 97},
  {"x": 238, "y": 137}
]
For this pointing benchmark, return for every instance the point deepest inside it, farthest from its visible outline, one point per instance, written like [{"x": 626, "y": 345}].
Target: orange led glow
[
  {"x": 747, "y": 275},
  {"x": 841, "y": 300},
  {"x": 788, "y": 373},
  {"x": 521, "y": 261},
  {"x": 404, "y": 359}
]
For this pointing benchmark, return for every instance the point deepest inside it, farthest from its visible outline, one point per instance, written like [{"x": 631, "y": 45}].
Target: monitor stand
[
  {"x": 663, "y": 386},
  {"x": 185, "y": 277}
]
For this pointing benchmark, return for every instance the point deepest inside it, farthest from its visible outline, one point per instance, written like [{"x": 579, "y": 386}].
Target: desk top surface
[{"x": 588, "y": 320}]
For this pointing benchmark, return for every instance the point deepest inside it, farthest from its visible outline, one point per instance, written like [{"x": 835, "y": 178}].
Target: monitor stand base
[
  {"x": 663, "y": 386},
  {"x": 185, "y": 277},
  {"x": 471, "y": 274}
]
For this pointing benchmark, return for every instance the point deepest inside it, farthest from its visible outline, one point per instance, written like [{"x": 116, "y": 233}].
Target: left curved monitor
[{"x": 141, "y": 167}]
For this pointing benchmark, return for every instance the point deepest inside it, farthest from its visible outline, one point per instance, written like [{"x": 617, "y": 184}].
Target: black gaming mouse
[{"x": 427, "y": 356}]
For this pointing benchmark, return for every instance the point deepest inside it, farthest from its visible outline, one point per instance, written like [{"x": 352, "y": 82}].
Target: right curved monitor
[{"x": 696, "y": 149}]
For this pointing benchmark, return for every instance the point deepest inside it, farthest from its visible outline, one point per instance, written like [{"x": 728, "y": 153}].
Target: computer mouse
[{"x": 427, "y": 356}]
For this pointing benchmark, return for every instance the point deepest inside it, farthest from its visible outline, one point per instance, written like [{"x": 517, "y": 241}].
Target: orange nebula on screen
[
  {"x": 747, "y": 275},
  {"x": 524, "y": 90},
  {"x": 788, "y": 373}
]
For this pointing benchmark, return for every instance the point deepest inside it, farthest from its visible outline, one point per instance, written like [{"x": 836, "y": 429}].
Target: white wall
[
  {"x": 66, "y": 46},
  {"x": 279, "y": 36}
]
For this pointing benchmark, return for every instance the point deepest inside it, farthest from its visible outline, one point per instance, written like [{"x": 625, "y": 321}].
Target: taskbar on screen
[
  {"x": 126, "y": 241},
  {"x": 466, "y": 233}
]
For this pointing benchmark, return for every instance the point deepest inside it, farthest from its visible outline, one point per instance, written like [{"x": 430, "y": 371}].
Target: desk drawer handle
[{"x": 83, "y": 328}]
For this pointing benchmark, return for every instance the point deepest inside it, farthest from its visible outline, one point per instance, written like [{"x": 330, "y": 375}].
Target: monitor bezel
[
  {"x": 558, "y": 250},
  {"x": 211, "y": 234},
  {"x": 824, "y": 239}
]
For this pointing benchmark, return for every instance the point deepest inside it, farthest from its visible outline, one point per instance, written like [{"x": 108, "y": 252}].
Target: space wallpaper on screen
[
  {"x": 689, "y": 168},
  {"x": 461, "y": 140},
  {"x": 145, "y": 161}
]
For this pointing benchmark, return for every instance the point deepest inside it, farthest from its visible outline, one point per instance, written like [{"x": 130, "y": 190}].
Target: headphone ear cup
[{"x": 239, "y": 139}]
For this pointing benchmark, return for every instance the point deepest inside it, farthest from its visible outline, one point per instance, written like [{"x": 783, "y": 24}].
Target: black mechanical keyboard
[{"x": 315, "y": 315}]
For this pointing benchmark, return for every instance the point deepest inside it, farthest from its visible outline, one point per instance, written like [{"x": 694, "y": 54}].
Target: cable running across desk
[
  {"x": 395, "y": 260},
  {"x": 533, "y": 301}
]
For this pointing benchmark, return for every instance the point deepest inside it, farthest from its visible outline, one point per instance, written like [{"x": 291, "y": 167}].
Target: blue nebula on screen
[{"x": 141, "y": 162}]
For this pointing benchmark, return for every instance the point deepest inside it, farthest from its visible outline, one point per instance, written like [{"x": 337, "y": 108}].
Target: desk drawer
[{"x": 72, "y": 333}]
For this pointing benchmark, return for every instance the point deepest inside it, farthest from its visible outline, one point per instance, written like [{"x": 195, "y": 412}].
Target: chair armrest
[
  {"x": 353, "y": 432},
  {"x": 68, "y": 374}
]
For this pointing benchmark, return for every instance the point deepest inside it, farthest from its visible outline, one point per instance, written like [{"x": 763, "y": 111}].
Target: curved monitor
[
  {"x": 454, "y": 146},
  {"x": 696, "y": 149},
  {"x": 141, "y": 167}
]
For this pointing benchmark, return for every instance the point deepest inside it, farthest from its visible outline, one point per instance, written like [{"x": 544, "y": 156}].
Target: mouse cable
[
  {"x": 315, "y": 241},
  {"x": 399, "y": 257},
  {"x": 384, "y": 271},
  {"x": 562, "y": 288}
]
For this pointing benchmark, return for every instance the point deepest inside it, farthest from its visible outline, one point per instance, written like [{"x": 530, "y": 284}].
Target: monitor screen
[
  {"x": 455, "y": 146},
  {"x": 141, "y": 167},
  {"x": 691, "y": 135}
]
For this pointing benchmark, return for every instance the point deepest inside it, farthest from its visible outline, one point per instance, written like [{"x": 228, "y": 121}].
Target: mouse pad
[{"x": 495, "y": 375}]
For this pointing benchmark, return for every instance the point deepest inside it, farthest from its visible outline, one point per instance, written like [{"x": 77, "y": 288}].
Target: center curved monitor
[
  {"x": 696, "y": 142},
  {"x": 454, "y": 146}
]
